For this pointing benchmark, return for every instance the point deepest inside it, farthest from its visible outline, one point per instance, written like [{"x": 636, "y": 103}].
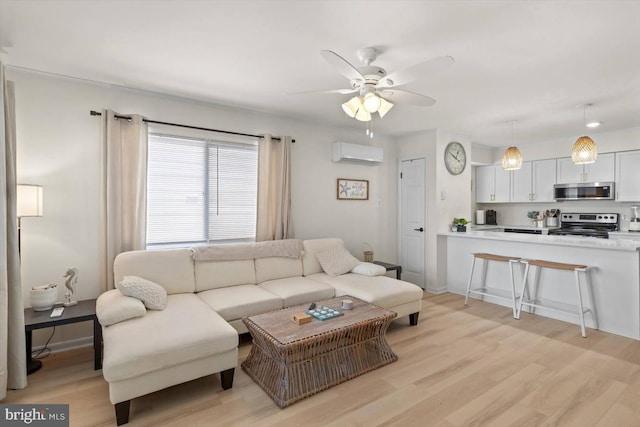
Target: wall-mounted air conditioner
[{"x": 356, "y": 153}]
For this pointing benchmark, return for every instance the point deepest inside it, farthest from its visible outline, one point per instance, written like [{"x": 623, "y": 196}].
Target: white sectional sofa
[{"x": 197, "y": 333}]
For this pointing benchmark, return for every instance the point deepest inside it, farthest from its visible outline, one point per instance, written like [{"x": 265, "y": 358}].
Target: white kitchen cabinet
[
  {"x": 602, "y": 170},
  {"x": 628, "y": 176},
  {"x": 492, "y": 184},
  {"x": 534, "y": 181}
]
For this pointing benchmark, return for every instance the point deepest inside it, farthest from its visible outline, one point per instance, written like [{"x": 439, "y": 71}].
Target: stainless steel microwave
[{"x": 584, "y": 191}]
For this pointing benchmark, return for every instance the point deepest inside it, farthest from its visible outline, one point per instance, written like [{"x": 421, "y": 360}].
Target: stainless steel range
[{"x": 587, "y": 224}]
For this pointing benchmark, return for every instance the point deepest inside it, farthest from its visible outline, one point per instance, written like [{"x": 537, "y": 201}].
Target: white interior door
[{"x": 413, "y": 220}]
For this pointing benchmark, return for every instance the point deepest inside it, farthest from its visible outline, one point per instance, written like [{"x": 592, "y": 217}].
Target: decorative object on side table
[
  {"x": 368, "y": 252},
  {"x": 71, "y": 279},
  {"x": 43, "y": 297},
  {"x": 460, "y": 224}
]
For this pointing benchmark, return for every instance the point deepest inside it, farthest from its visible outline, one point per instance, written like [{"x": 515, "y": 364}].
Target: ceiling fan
[{"x": 376, "y": 90}]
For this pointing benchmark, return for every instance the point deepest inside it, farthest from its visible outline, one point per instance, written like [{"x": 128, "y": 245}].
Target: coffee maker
[
  {"x": 491, "y": 218},
  {"x": 634, "y": 218}
]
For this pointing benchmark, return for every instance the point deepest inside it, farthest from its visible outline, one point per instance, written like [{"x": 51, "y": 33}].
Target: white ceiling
[{"x": 536, "y": 62}]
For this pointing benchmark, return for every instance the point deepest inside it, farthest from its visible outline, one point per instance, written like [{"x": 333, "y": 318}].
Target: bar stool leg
[
  {"x": 473, "y": 265},
  {"x": 536, "y": 272},
  {"x": 589, "y": 290},
  {"x": 525, "y": 289},
  {"x": 513, "y": 289},
  {"x": 483, "y": 283},
  {"x": 580, "y": 308}
]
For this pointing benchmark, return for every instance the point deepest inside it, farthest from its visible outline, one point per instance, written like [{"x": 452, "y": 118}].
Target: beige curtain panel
[
  {"x": 274, "y": 189},
  {"x": 13, "y": 369},
  {"x": 124, "y": 175}
]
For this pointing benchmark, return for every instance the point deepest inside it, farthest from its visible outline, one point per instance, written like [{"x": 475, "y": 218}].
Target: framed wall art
[{"x": 353, "y": 189}]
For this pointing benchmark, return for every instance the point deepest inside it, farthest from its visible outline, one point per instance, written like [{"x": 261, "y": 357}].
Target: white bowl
[{"x": 42, "y": 299}]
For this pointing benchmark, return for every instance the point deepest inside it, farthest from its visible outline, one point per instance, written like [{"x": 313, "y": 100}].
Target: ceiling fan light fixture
[
  {"x": 512, "y": 159},
  {"x": 371, "y": 102},
  {"x": 352, "y": 106},
  {"x": 385, "y": 107},
  {"x": 584, "y": 151}
]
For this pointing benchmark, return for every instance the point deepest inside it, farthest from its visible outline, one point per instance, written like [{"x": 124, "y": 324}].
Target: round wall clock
[{"x": 455, "y": 158}]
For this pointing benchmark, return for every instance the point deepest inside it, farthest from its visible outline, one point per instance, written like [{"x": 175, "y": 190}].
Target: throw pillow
[
  {"x": 337, "y": 261},
  {"x": 369, "y": 269},
  {"x": 112, "y": 307},
  {"x": 151, "y": 294}
]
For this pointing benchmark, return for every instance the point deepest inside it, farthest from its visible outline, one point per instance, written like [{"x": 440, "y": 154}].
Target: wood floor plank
[{"x": 460, "y": 366}]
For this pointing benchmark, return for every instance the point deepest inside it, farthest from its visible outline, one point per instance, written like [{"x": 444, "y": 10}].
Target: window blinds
[{"x": 200, "y": 191}]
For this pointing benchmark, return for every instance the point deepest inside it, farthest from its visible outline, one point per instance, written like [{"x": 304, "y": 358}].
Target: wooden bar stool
[
  {"x": 533, "y": 301},
  {"x": 483, "y": 289}
]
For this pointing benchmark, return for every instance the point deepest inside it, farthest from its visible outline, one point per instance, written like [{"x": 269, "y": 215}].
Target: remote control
[{"x": 57, "y": 312}]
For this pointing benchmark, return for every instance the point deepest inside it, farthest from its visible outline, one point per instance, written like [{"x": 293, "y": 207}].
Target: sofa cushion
[
  {"x": 221, "y": 274},
  {"x": 112, "y": 307},
  {"x": 369, "y": 269},
  {"x": 152, "y": 295},
  {"x": 299, "y": 290},
  {"x": 379, "y": 290},
  {"x": 277, "y": 268},
  {"x": 170, "y": 268},
  {"x": 236, "y": 302},
  {"x": 188, "y": 329},
  {"x": 337, "y": 261},
  {"x": 310, "y": 264}
]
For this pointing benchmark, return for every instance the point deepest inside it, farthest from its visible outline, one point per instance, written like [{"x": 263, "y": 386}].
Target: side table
[
  {"x": 391, "y": 267},
  {"x": 81, "y": 312}
]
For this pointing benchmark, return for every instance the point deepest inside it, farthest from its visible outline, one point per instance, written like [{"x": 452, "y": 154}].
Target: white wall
[
  {"x": 58, "y": 147},
  {"x": 448, "y": 196},
  {"x": 516, "y": 213}
]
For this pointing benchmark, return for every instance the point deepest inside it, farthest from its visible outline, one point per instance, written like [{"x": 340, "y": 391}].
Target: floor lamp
[{"x": 29, "y": 204}]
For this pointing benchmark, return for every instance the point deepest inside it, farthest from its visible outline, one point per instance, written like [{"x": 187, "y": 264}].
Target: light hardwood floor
[{"x": 474, "y": 366}]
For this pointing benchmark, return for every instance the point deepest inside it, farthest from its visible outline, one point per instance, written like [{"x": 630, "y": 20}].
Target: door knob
[{"x": 419, "y": 229}]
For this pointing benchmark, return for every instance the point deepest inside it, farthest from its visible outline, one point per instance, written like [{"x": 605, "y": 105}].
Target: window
[{"x": 200, "y": 191}]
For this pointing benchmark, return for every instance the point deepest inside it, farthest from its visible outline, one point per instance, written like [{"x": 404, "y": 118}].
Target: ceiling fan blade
[
  {"x": 341, "y": 65},
  {"x": 404, "y": 96},
  {"x": 404, "y": 76},
  {"x": 322, "y": 92}
]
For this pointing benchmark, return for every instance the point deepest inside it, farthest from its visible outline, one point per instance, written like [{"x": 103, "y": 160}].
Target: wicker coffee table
[{"x": 291, "y": 361}]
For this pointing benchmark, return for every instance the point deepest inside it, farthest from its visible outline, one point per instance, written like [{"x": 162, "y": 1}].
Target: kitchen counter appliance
[
  {"x": 634, "y": 218},
  {"x": 490, "y": 217},
  {"x": 587, "y": 224}
]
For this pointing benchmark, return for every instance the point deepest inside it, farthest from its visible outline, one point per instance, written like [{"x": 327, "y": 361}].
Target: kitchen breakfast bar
[{"x": 615, "y": 277}]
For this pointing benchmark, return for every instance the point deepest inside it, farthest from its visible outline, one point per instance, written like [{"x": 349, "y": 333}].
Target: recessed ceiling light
[{"x": 593, "y": 124}]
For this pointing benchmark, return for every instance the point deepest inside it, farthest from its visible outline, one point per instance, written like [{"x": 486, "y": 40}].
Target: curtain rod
[{"x": 97, "y": 113}]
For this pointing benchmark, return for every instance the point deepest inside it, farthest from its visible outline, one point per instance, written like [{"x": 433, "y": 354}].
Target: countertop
[{"x": 576, "y": 241}]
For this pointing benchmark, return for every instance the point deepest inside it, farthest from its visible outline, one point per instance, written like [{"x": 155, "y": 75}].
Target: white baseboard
[
  {"x": 66, "y": 345},
  {"x": 438, "y": 290}
]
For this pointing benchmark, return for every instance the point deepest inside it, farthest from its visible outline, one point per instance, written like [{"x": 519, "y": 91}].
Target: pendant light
[
  {"x": 584, "y": 150},
  {"x": 512, "y": 159}
]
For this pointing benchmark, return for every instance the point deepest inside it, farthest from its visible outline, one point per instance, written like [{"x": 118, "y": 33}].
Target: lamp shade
[
  {"x": 30, "y": 200},
  {"x": 385, "y": 106},
  {"x": 363, "y": 115},
  {"x": 351, "y": 106},
  {"x": 512, "y": 159},
  {"x": 584, "y": 151}
]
